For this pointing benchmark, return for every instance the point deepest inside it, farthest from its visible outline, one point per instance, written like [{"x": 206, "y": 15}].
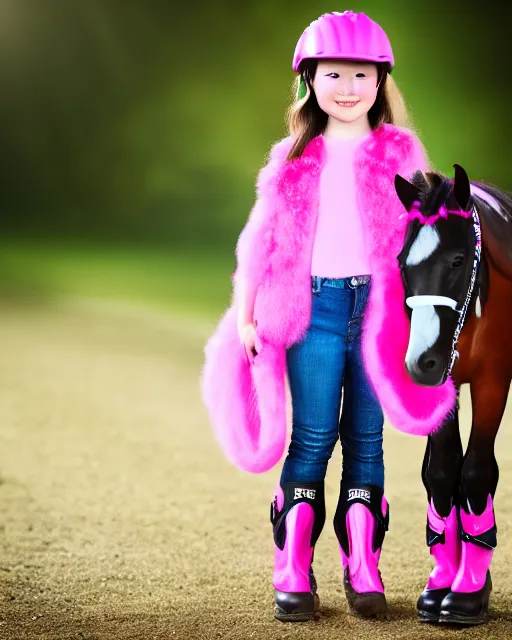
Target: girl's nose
[{"x": 345, "y": 87}]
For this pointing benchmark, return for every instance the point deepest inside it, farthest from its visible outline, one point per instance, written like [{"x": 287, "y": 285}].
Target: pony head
[{"x": 439, "y": 262}]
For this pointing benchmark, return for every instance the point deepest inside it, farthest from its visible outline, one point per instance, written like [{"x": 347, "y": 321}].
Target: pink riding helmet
[{"x": 347, "y": 35}]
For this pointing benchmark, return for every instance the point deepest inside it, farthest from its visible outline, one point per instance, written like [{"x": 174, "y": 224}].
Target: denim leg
[
  {"x": 362, "y": 420},
  {"x": 315, "y": 372}
]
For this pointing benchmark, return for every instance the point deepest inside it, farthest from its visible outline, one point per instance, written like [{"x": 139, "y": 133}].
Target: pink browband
[{"x": 443, "y": 212}]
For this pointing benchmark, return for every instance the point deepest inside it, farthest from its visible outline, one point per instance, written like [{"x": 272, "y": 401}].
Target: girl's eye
[
  {"x": 360, "y": 75},
  {"x": 333, "y": 75}
]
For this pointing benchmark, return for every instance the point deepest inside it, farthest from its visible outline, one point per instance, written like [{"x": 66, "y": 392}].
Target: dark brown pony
[{"x": 456, "y": 266}]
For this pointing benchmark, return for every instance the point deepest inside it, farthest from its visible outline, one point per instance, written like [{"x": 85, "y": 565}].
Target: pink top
[{"x": 339, "y": 250}]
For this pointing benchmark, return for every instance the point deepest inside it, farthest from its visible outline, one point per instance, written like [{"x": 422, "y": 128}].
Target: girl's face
[{"x": 344, "y": 89}]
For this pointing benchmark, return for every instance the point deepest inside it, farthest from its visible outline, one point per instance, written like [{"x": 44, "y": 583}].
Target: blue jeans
[{"x": 328, "y": 359}]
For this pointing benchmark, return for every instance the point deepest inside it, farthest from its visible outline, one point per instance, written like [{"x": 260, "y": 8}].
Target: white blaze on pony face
[
  {"x": 425, "y": 322},
  {"x": 425, "y": 330},
  {"x": 424, "y": 245}
]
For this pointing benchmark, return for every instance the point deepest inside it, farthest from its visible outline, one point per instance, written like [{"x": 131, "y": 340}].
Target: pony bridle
[{"x": 414, "y": 302}]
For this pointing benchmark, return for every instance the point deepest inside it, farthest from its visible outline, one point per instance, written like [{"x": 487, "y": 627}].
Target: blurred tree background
[{"x": 136, "y": 128}]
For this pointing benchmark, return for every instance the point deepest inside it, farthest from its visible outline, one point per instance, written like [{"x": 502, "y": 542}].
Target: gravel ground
[{"x": 120, "y": 518}]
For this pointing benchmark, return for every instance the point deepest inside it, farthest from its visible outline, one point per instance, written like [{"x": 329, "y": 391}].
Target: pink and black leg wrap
[
  {"x": 441, "y": 477},
  {"x": 468, "y": 600},
  {"x": 443, "y": 539}
]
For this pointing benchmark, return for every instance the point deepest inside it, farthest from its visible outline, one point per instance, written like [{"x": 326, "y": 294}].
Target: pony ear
[
  {"x": 461, "y": 187},
  {"x": 407, "y": 192}
]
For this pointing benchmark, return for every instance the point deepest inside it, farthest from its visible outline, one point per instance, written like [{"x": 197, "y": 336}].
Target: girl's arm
[{"x": 246, "y": 298}]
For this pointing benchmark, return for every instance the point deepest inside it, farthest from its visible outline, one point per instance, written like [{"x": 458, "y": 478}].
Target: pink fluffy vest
[{"x": 247, "y": 403}]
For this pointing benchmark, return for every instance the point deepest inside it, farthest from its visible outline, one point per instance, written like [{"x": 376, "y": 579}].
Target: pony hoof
[
  {"x": 467, "y": 608},
  {"x": 429, "y": 604}
]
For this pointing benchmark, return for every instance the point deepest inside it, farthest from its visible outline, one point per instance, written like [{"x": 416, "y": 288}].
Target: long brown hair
[{"x": 306, "y": 120}]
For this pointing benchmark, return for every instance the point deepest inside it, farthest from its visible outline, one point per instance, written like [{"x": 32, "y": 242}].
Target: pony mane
[
  {"x": 494, "y": 207},
  {"x": 435, "y": 191}
]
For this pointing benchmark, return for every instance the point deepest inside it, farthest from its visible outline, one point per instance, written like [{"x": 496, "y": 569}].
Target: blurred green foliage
[
  {"x": 132, "y": 132},
  {"x": 149, "y": 120},
  {"x": 32, "y": 271}
]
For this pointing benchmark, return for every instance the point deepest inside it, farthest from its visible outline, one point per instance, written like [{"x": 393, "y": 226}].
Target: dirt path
[{"x": 119, "y": 517}]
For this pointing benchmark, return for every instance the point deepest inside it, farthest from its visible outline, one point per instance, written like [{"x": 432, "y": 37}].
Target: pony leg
[
  {"x": 441, "y": 476},
  {"x": 468, "y": 600}
]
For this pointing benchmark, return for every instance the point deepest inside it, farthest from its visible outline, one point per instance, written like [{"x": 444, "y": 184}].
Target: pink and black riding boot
[
  {"x": 298, "y": 516},
  {"x": 445, "y": 547},
  {"x": 468, "y": 600},
  {"x": 360, "y": 523}
]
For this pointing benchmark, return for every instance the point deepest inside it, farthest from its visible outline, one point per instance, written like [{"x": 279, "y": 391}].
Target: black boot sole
[
  {"x": 304, "y": 608},
  {"x": 427, "y": 616},
  {"x": 365, "y": 605}
]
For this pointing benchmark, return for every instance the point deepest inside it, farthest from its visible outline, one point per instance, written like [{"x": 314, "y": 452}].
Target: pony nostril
[
  {"x": 428, "y": 364},
  {"x": 427, "y": 370}
]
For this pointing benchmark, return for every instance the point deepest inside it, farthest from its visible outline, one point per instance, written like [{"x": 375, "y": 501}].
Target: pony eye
[{"x": 458, "y": 262}]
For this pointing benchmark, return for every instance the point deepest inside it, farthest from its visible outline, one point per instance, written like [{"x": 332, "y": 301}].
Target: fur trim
[
  {"x": 283, "y": 304},
  {"x": 409, "y": 407},
  {"x": 253, "y": 244},
  {"x": 246, "y": 403}
]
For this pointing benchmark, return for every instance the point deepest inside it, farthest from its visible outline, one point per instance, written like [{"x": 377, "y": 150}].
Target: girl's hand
[{"x": 248, "y": 337}]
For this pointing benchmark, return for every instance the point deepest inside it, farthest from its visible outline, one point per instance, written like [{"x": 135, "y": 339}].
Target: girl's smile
[{"x": 347, "y": 103}]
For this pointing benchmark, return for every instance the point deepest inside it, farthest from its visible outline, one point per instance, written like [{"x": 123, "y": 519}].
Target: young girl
[{"x": 318, "y": 295}]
